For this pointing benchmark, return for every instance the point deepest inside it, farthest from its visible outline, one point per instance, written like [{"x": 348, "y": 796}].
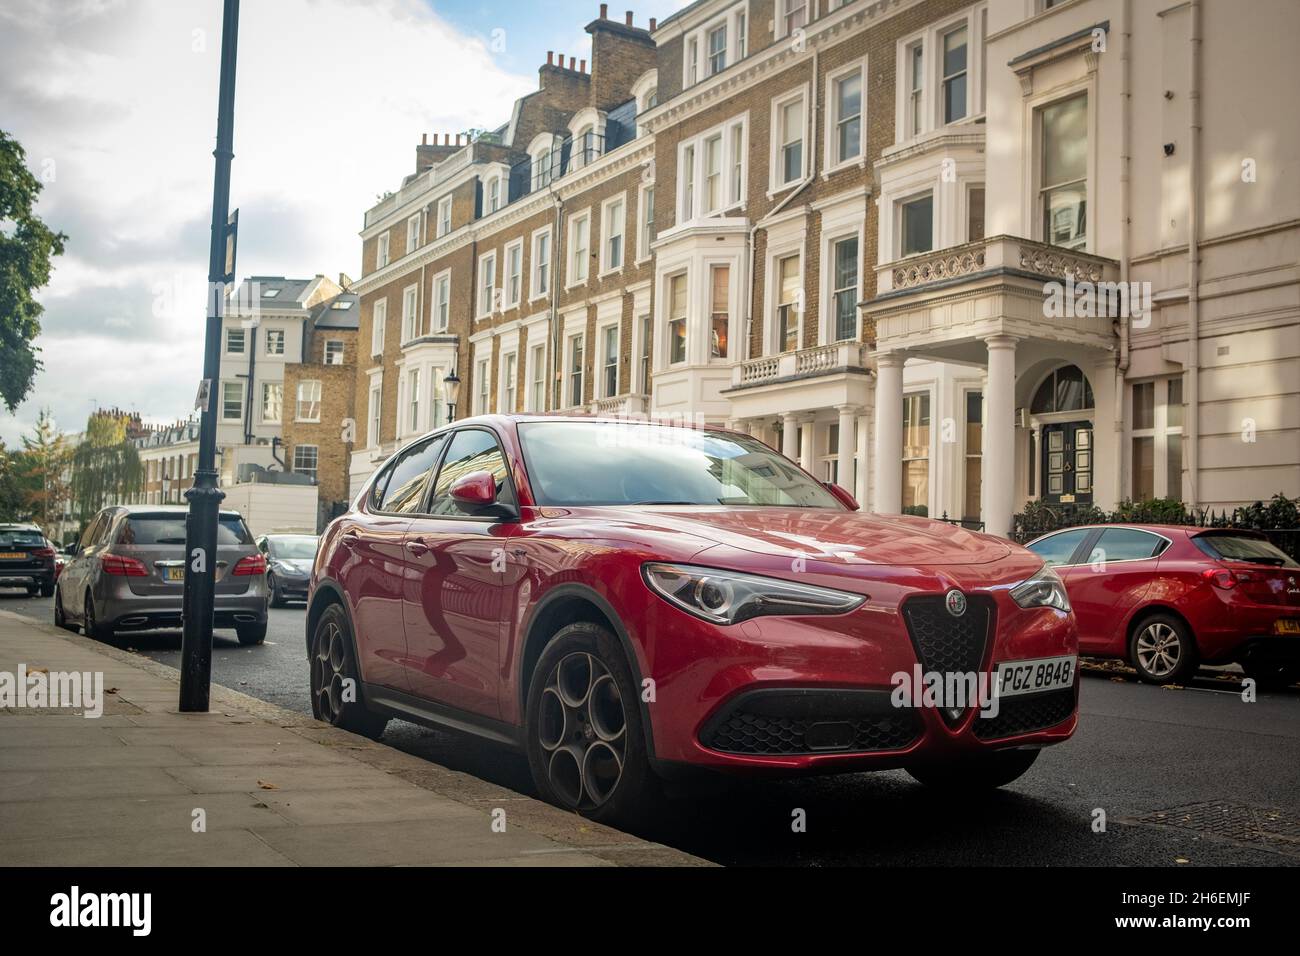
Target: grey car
[
  {"x": 289, "y": 558},
  {"x": 128, "y": 573}
]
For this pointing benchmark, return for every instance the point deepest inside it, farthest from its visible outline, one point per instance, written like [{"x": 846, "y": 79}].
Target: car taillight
[
  {"x": 1226, "y": 580},
  {"x": 253, "y": 564},
  {"x": 120, "y": 564},
  {"x": 44, "y": 552}
]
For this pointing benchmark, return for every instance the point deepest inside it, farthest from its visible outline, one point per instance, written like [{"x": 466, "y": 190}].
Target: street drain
[{"x": 1277, "y": 829}]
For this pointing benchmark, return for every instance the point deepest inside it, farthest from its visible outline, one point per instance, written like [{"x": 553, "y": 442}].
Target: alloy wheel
[
  {"x": 582, "y": 731},
  {"x": 329, "y": 671},
  {"x": 1159, "y": 649}
]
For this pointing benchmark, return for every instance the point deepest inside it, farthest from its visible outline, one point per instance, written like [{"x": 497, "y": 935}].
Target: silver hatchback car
[{"x": 128, "y": 573}]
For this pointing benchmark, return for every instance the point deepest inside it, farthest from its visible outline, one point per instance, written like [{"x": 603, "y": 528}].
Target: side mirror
[
  {"x": 474, "y": 492},
  {"x": 71, "y": 550},
  {"x": 842, "y": 496}
]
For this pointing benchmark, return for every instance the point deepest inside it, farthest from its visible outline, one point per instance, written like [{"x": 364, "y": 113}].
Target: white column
[
  {"x": 999, "y": 435},
  {"x": 790, "y": 436},
  {"x": 806, "y": 437},
  {"x": 864, "y": 461},
  {"x": 889, "y": 433},
  {"x": 1107, "y": 428},
  {"x": 848, "y": 444}
]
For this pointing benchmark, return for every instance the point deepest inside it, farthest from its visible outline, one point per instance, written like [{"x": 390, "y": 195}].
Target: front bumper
[{"x": 814, "y": 694}]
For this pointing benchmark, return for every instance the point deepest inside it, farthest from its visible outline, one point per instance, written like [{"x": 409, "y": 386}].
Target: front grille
[
  {"x": 1022, "y": 715},
  {"x": 944, "y": 643},
  {"x": 791, "y": 723}
]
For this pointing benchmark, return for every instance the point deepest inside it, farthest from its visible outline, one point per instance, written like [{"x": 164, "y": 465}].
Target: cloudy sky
[{"x": 115, "y": 104}]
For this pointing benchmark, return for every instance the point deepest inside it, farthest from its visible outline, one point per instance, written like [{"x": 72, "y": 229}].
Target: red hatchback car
[
  {"x": 622, "y": 600},
  {"x": 1167, "y": 598}
]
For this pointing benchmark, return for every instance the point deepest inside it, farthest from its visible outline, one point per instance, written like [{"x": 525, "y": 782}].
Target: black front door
[{"x": 1067, "y": 463}]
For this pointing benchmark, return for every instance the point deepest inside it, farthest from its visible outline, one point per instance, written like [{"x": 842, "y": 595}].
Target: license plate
[
  {"x": 1014, "y": 678},
  {"x": 175, "y": 574},
  {"x": 1286, "y": 626},
  {"x": 12, "y": 555}
]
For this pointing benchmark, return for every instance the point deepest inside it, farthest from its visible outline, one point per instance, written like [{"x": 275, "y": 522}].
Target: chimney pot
[
  {"x": 582, "y": 66},
  {"x": 653, "y": 21},
  {"x": 628, "y": 18},
  {"x": 604, "y": 10},
  {"x": 572, "y": 61}
]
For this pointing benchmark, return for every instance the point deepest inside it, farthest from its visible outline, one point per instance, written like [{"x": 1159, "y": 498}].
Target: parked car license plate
[
  {"x": 11, "y": 555},
  {"x": 1285, "y": 625},
  {"x": 175, "y": 574},
  {"x": 1034, "y": 676}
]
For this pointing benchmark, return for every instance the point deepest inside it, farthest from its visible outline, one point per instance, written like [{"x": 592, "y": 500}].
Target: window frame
[
  {"x": 319, "y": 401},
  {"x": 645, "y": 215},
  {"x": 486, "y": 274},
  {"x": 275, "y": 335},
  {"x": 441, "y": 305},
  {"x": 378, "y": 324},
  {"x": 412, "y": 233},
  {"x": 315, "y": 471},
  {"x": 602, "y": 337},
  {"x": 833, "y": 162},
  {"x": 779, "y": 144},
  {"x": 382, "y": 250},
  {"x": 575, "y": 368},
  {"x": 444, "y": 210},
  {"x": 243, "y": 340},
  {"x": 576, "y": 222},
  {"x": 536, "y": 289},
  {"x": 411, "y": 324},
  {"x": 508, "y": 382},
  {"x": 511, "y": 300},
  {"x": 341, "y": 352},
  {"x": 613, "y": 213},
  {"x": 262, "y": 416}
]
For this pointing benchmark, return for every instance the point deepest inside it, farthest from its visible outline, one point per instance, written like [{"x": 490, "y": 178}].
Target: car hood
[
  {"x": 300, "y": 565},
  {"x": 835, "y": 537}
]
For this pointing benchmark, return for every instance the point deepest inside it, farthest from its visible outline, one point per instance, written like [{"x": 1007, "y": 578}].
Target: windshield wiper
[{"x": 653, "y": 502}]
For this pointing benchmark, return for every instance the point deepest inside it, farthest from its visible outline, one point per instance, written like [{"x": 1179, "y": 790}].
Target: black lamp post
[
  {"x": 451, "y": 392},
  {"x": 205, "y": 497}
]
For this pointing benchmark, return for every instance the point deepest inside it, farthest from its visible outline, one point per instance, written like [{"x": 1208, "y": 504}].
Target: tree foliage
[
  {"x": 44, "y": 466},
  {"x": 26, "y": 247},
  {"x": 106, "y": 466}
]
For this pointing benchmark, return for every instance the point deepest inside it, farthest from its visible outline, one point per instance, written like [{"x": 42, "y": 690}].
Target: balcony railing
[
  {"x": 994, "y": 253},
  {"x": 529, "y": 175},
  {"x": 803, "y": 363}
]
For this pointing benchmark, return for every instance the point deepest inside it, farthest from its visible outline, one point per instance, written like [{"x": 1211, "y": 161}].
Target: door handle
[{"x": 417, "y": 547}]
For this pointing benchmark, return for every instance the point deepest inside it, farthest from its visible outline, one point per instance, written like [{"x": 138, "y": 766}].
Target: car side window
[
  {"x": 1057, "y": 549},
  {"x": 407, "y": 478},
  {"x": 92, "y": 532},
  {"x": 1126, "y": 544},
  {"x": 471, "y": 450}
]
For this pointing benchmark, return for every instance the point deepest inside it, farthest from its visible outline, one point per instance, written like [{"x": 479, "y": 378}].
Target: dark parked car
[
  {"x": 622, "y": 600},
  {"x": 26, "y": 559},
  {"x": 1167, "y": 598},
  {"x": 128, "y": 573},
  {"x": 289, "y": 558}
]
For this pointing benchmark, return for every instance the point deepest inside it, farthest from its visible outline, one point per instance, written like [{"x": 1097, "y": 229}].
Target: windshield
[
  {"x": 1242, "y": 547},
  {"x": 629, "y": 463},
  {"x": 293, "y": 548},
  {"x": 16, "y": 538},
  {"x": 170, "y": 529}
]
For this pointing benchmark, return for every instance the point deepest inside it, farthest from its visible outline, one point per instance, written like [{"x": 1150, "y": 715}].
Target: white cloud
[{"x": 331, "y": 98}]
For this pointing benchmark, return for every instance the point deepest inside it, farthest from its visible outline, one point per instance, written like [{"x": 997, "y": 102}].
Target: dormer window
[{"x": 493, "y": 195}]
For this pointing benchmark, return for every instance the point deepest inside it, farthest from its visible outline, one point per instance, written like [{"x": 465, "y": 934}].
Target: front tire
[
  {"x": 985, "y": 771},
  {"x": 333, "y": 664},
  {"x": 1162, "y": 650},
  {"x": 276, "y": 600},
  {"x": 583, "y": 730}
]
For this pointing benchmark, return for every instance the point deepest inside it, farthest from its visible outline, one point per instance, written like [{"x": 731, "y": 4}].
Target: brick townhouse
[{"x": 847, "y": 227}]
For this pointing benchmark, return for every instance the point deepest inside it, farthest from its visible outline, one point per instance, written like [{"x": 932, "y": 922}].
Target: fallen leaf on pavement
[{"x": 267, "y": 786}]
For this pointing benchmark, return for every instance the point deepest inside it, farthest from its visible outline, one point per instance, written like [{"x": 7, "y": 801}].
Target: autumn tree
[
  {"x": 44, "y": 466},
  {"x": 106, "y": 465}
]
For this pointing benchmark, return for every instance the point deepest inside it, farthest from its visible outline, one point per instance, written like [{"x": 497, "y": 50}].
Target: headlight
[
  {"x": 726, "y": 597},
  {"x": 1044, "y": 589},
  {"x": 283, "y": 568}
]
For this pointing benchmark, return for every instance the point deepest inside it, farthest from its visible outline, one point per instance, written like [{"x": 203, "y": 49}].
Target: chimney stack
[
  {"x": 627, "y": 18},
  {"x": 424, "y": 139},
  {"x": 572, "y": 60},
  {"x": 604, "y": 11},
  {"x": 550, "y": 56},
  {"x": 653, "y": 22},
  {"x": 582, "y": 66}
]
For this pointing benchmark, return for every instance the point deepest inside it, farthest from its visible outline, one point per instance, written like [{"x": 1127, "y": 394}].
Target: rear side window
[
  {"x": 165, "y": 528},
  {"x": 400, "y": 490},
  {"x": 471, "y": 450},
  {"x": 1127, "y": 544},
  {"x": 1242, "y": 547},
  {"x": 21, "y": 539},
  {"x": 1058, "y": 548}
]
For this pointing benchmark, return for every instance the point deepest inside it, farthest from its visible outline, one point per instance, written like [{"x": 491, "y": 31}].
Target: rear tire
[
  {"x": 1162, "y": 650},
  {"x": 276, "y": 600},
  {"x": 583, "y": 730},
  {"x": 251, "y": 634},
  {"x": 985, "y": 771},
  {"x": 1272, "y": 676},
  {"x": 333, "y": 662},
  {"x": 90, "y": 625}
]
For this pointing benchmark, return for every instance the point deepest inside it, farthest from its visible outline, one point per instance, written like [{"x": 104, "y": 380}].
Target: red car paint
[
  {"x": 1111, "y": 597},
  {"x": 442, "y": 608}
]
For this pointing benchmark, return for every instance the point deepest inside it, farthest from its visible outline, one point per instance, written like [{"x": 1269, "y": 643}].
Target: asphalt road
[{"x": 1225, "y": 774}]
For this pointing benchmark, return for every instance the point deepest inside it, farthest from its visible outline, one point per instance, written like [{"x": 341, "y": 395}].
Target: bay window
[
  {"x": 677, "y": 319},
  {"x": 720, "y": 311}
]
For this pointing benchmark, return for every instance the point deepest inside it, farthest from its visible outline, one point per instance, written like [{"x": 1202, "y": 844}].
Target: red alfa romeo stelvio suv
[{"x": 626, "y": 600}]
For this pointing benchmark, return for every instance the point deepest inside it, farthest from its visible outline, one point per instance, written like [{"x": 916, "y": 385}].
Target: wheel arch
[
  {"x": 563, "y": 605},
  {"x": 1140, "y": 615},
  {"x": 325, "y": 593}
]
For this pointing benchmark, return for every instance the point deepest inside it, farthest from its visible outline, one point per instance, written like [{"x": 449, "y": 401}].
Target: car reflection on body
[{"x": 289, "y": 558}]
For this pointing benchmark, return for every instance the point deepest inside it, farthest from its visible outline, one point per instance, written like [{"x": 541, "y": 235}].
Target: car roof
[
  {"x": 166, "y": 509},
  {"x": 19, "y": 526}
]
